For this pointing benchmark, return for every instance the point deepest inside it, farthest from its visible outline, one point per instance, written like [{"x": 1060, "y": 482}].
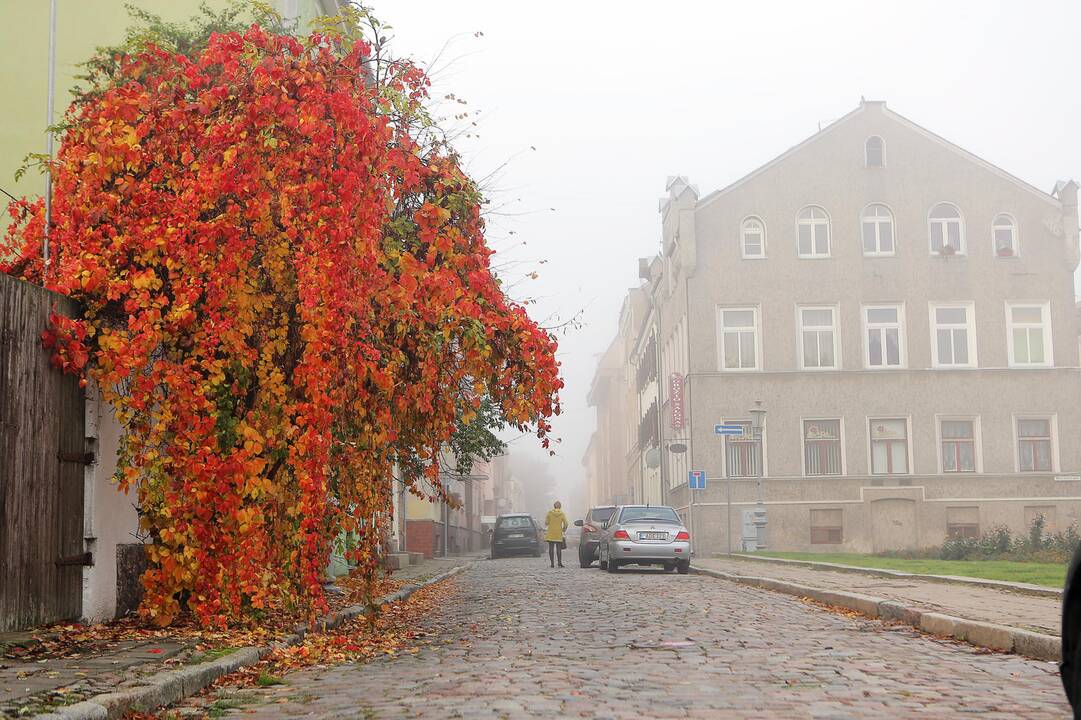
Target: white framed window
[
  {"x": 876, "y": 228},
  {"x": 874, "y": 152},
  {"x": 889, "y": 446},
  {"x": 823, "y": 448},
  {"x": 813, "y": 232},
  {"x": 884, "y": 336},
  {"x": 1037, "y": 443},
  {"x": 738, "y": 338},
  {"x": 1028, "y": 328},
  {"x": 818, "y": 337},
  {"x": 1004, "y": 236},
  {"x": 753, "y": 238},
  {"x": 742, "y": 456},
  {"x": 953, "y": 335},
  {"x": 946, "y": 229},
  {"x": 959, "y": 445}
]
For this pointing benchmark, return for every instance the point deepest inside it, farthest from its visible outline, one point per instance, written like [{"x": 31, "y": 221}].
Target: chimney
[{"x": 1066, "y": 192}]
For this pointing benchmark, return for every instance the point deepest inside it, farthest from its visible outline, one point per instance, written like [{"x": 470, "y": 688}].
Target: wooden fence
[{"x": 42, "y": 458}]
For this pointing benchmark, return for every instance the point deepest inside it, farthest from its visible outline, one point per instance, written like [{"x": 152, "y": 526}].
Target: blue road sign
[
  {"x": 728, "y": 429},
  {"x": 696, "y": 479}
]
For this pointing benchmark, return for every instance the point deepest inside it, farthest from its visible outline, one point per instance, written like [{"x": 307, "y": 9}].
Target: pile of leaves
[{"x": 288, "y": 301}]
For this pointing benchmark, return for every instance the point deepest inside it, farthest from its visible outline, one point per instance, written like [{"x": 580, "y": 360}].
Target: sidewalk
[
  {"x": 39, "y": 674},
  {"x": 971, "y": 601}
]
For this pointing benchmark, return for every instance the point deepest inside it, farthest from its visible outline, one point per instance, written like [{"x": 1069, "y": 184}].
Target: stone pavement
[
  {"x": 520, "y": 640},
  {"x": 38, "y": 683},
  {"x": 973, "y": 602}
]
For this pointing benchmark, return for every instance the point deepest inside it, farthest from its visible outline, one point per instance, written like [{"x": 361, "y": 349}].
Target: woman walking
[{"x": 556, "y": 522}]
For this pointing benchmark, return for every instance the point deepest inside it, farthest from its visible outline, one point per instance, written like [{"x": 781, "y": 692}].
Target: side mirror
[{"x": 578, "y": 523}]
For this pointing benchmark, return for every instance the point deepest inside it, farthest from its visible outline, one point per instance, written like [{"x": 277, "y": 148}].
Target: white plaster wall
[{"x": 109, "y": 515}]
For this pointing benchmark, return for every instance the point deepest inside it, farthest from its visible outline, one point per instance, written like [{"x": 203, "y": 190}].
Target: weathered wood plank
[{"x": 41, "y": 497}]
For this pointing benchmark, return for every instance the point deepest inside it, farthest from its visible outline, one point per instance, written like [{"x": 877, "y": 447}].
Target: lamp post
[{"x": 758, "y": 424}]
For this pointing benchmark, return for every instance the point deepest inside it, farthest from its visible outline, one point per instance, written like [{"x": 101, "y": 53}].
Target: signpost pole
[{"x": 728, "y": 526}]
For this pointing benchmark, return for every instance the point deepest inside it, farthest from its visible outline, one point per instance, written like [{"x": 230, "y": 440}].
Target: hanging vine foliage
[{"x": 287, "y": 296}]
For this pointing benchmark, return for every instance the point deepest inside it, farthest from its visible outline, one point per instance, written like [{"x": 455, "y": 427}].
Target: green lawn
[{"x": 1049, "y": 574}]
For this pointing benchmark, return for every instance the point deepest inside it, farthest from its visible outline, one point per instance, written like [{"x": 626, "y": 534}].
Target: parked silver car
[
  {"x": 645, "y": 535},
  {"x": 592, "y": 531}
]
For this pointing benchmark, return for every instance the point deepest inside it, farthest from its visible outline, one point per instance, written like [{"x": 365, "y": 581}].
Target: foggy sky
[{"x": 615, "y": 96}]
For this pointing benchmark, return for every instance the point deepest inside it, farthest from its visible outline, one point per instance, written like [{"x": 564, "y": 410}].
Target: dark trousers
[{"x": 555, "y": 550}]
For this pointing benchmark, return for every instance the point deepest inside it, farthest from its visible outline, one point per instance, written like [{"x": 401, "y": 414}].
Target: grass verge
[{"x": 1034, "y": 573}]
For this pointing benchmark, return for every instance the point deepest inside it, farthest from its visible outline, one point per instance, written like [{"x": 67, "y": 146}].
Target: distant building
[{"x": 903, "y": 311}]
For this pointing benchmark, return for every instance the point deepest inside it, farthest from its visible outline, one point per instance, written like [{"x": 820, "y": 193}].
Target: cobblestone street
[{"x": 521, "y": 640}]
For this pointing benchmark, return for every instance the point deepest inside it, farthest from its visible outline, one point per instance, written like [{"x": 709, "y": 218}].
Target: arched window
[
  {"x": 877, "y": 230},
  {"x": 753, "y": 236},
  {"x": 813, "y": 232},
  {"x": 946, "y": 229},
  {"x": 1004, "y": 233},
  {"x": 875, "y": 152}
]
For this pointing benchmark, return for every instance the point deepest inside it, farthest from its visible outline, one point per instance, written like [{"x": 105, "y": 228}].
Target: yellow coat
[{"x": 556, "y": 523}]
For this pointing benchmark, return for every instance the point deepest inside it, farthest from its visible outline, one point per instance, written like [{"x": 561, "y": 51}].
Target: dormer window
[{"x": 875, "y": 152}]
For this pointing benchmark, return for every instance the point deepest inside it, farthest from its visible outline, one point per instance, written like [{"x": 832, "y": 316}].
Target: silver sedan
[{"x": 645, "y": 535}]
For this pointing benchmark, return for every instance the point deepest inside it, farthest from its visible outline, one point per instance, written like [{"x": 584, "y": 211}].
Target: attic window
[{"x": 875, "y": 152}]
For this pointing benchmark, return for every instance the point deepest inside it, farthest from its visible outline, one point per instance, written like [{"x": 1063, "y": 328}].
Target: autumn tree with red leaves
[{"x": 287, "y": 295}]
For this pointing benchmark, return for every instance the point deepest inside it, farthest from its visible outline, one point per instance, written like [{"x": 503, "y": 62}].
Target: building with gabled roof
[{"x": 903, "y": 311}]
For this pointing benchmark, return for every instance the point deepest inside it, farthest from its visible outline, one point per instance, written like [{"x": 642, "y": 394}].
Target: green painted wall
[{"x": 81, "y": 26}]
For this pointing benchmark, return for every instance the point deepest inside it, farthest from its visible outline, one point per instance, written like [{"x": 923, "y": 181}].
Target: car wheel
[
  {"x": 494, "y": 555},
  {"x": 613, "y": 565},
  {"x": 601, "y": 562},
  {"x": 684, "y": 567},
  {"x": 669, "y": 567},
  {"x": 584, "y": 559}
]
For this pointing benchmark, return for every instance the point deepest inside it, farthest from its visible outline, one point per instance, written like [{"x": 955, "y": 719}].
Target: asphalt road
[{"x": 521, "y": 640}]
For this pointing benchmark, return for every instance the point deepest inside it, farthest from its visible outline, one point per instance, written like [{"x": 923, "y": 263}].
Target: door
[{"x": 893, "y": 524}]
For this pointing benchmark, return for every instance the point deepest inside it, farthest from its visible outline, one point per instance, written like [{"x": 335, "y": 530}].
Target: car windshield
[
  {"x": 649, "y": 514},
  {"x": 601, "y": 515},
  {"x": 514, "y": 522}
]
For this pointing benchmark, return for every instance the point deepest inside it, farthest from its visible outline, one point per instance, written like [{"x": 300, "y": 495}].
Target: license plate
[
  {"x": 652, "y": 536},
  {"x": 516, "y": 535}
]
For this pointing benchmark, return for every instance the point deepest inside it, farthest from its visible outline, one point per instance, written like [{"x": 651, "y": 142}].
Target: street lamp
[{"x": 758, "y": 423}]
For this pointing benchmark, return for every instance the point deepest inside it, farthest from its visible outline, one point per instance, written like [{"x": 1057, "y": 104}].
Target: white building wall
[{"x": 110, "y": 518}]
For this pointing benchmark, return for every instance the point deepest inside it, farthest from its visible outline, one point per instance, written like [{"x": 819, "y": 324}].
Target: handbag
[{"x": 563, "y": 543}]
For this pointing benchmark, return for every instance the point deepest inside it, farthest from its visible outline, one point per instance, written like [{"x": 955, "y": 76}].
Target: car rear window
[
  {"x": 515, "y": 522},
  {"x": 645, "y": 514},
  {"x": 601, "y": 515}
]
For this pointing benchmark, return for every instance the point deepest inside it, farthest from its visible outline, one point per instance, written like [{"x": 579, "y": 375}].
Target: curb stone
[
  {"x": 1022, "y": 588},
  {"x": 170, "y": 686},
  {"x": 982, "y": 634}
]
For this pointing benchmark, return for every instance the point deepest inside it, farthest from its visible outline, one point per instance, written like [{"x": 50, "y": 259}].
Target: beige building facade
[{"x": 904, "y": 313}]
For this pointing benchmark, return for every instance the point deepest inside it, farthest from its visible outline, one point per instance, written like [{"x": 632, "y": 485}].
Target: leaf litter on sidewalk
[{"x": 396, "y": 629}]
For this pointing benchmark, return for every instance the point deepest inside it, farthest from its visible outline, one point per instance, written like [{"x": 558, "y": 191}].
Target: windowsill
[
  {"x": 1032, "y": 366},
  {"x": 821, "y": 369},
  {"x": 1007, "y": 257},
  {"x": 754, "y": 257},
  {"x": 879, "y": 255},
  {"x": 884, "y": 368},
  {"x": 940, "y": 256},
  {"x": 955, "y": 367},
  {"x": 814, "y": 257}
]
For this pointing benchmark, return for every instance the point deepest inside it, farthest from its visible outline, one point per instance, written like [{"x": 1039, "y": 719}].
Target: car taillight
[
  {"x": 683, "y": 535},
  {"x": 588, "y": 528},
  {"x": 621, "y": 535}
]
